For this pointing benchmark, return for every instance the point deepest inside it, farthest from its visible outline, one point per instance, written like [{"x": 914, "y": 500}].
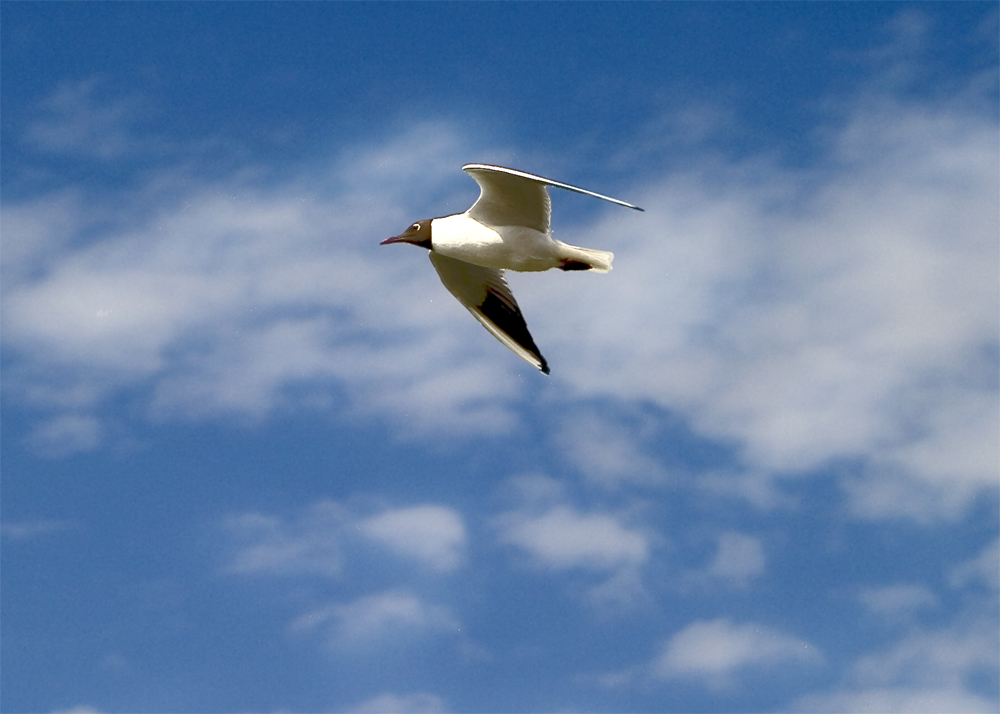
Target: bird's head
[{"x": 418, "y": 234}]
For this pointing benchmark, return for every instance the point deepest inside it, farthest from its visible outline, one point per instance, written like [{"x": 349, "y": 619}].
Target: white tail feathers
[{"x": 587, "y": 259}]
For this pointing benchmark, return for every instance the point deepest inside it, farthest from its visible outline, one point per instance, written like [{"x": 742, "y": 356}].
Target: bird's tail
[{"x": 575, "y": 258}]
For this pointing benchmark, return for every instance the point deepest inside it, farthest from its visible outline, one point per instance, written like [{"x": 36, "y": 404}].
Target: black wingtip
[{"x": 544, "y": 367}]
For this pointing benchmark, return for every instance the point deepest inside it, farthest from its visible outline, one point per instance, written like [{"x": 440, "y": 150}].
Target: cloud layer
[
  {"x": 844, "y": 312},
  {"x": 716, "y": 651}
]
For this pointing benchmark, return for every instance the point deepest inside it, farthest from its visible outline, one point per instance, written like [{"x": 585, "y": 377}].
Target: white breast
[{"x": 504, "y": 247}]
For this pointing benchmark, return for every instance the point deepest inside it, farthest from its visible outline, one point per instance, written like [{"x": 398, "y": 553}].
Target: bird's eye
[{"x": 415, "y": 227}]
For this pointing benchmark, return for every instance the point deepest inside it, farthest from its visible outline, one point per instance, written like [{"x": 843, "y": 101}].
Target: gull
[{"x": 507, "y": 228}]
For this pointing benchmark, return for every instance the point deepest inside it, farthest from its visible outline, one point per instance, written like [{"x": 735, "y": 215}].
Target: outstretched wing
[
  {"x": 485, "y": 293},
  {"x": 514, "y": 198}
]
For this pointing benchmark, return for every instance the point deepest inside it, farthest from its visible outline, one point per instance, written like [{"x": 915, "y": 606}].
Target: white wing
[
  {"x": 514, "y": 198},
  {"x": 485, "y": 293}
]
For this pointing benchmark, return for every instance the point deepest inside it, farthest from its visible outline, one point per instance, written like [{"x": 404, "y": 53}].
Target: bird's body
[
  {"x": 507, "y": 228},
  {"x": 517, "y": 248}
]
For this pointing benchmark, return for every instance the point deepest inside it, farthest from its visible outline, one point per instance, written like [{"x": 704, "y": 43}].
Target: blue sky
[{"x": 253, "y": 461}]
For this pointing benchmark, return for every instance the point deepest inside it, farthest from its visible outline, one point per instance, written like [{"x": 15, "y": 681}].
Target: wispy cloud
[
  {"x": 897, "y": 601},
  {"x": 77, "y": 120},
  {"x": 952, "y": 667},
  {"x": 946, "y": 658},
  {"x": 847, "y": 311},
  {"x": 315, "y": 539},
  {"x": 919, "y": 700},
  {"x": 981, "y": 569},
  {"x": 608, "y": 452},
  {"x": 418, "y": 703},
  {"x": 926, "y": 671},
  {"x": 269, "y": 545},
  {"x": 716, "y": 652},
  {"x": 371, "y": 620},
  {"x": 563, "y": 538},
  {"x": 434, "y": 535},
  {"x": 29, "y": 530},
  {"x": 560, "y": 539},
  {"x": 66, "y": 434},
  {"x": 738, "y": 558},
  {"x": 333, "y": 541},
  {"x": 223, "y": 298}
]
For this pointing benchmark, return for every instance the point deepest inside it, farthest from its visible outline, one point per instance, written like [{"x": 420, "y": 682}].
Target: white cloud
[
  {"x": 317, "y": 539},
  {"x": 925, "y": 671},
  {"x": 419, "y": 703},
  {"x": 434, "y": 535},
  {"x": 897, "y": 601},
  {"x": 716, "y": 651},
  {"x": 623, "y": 590},
  {"x": 846, "y": 311},
  {"x": 326, "y": 539},
  {"x": 944, "y": 658},
  {"x": 945, "y": 669},
  {"x": 559, "y": 538},
  {"x": 563, "y": 538},
  {"x": 269, "y": 545},
  {"x": 901, "y": 700},
  {"x": 739, "y": 558},
  {"x": 534, "y": 490},
  {"x": 606, "y": 451},
  {"x": 65, "y": 435},
  {"x": 76, "y": 121},
  {"x": 939, "y": 474},
  {"x": 28, "y": 530},
  {"x": 374, "y": 619},
  {"x": 35, "y": 233},
  {"x": 984, "y": 568},
  {"x": 225, "y": 297}
]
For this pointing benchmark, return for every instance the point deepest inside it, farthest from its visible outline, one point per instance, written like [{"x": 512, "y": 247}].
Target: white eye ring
[{"x": 415, "y": 226}]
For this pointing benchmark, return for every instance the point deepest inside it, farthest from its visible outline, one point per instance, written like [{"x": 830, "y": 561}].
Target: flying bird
[{"x": 507, "y": 228}]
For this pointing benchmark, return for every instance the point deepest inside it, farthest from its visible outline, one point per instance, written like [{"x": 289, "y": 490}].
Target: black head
[{"x": 418, "y": 234}]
